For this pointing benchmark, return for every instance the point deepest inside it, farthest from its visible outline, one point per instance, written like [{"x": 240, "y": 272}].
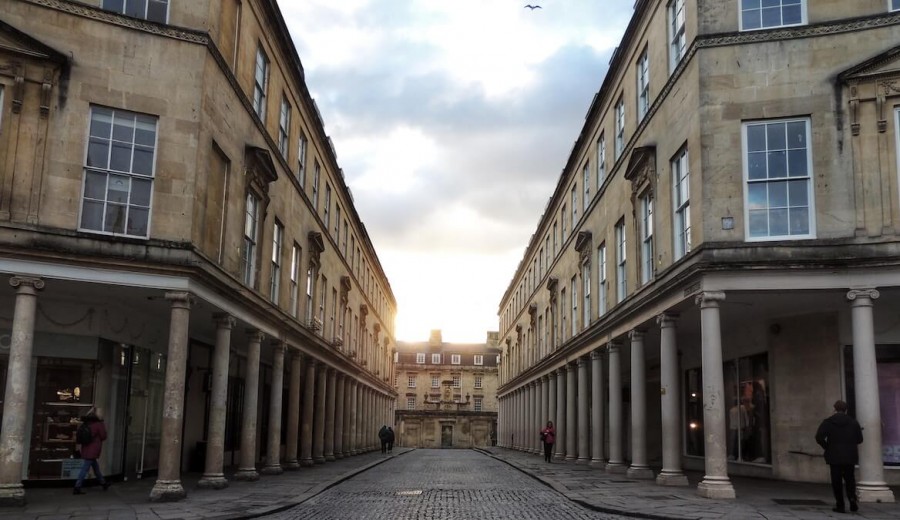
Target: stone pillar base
[
  {"x": 640, "y": 472},
  {"x": 319, "y": 460},
  {"x": 597, "y": 463},
  {"x": 291, "y": 465},
  {"x": 329, "y": 458},
  {"x": 671, "y": 479},
  {"x": 716, "y": 487},
  {"x": 618, "y": 468},
  {"x": 272, "y": 470},
  {"x": 338, "y": 455},
  {"x": 582, "y": 460},
  {"x": 213, "y": 481},
  {"x": 167, "y": 491},
  {"x": 12, "y": 495},
  {"x": 305, "y": 463},
  {"x": 246, "y": 475},
  {"x": 874, "y": 493}
]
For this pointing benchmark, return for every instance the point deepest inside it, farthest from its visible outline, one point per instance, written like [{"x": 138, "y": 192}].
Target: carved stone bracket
[
  {"x": 46, "y": 89},
  {"x": 532, "y": 313},
  {"x": 583, "y": 244},
  {"x": 316, "y": 246},
  {"x": 552, "y": 285},
  {"x": 345, "y": 289}
]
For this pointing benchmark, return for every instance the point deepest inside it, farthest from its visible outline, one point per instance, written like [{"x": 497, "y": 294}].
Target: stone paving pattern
[{"x": 472, "y": 478}]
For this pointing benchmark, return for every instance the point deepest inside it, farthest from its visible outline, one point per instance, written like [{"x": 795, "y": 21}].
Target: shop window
[
  {"x": 887, "y": 359},
  {"x": 746, "y": 382}
]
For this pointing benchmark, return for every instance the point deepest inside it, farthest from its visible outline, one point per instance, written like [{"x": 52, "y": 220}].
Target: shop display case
[{"x": 53, "y": 438}]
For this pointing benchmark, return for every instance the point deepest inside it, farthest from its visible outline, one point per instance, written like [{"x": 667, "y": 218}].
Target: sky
[{"x": 452, "y": 121}]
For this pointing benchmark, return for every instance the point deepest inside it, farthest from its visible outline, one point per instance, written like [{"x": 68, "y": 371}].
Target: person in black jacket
[{"x": 840, "y": 435}]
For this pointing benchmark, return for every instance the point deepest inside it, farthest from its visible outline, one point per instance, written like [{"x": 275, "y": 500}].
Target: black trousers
[
  {"x": 548, "y": 451},
  {"x": 843, "y": 479}
]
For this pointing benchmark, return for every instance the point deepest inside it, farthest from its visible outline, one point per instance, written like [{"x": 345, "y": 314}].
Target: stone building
[
  {"x": 181, "y": 249},
  {"x": 447, "y": 393},
  {"x": 719, "y": 261}
]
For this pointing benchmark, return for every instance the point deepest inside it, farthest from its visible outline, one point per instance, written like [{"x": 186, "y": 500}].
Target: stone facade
[
  {"x": 447, "y": 393},
  {"x": 718, "y": 261},
  {"x": 181, "y": 245}
]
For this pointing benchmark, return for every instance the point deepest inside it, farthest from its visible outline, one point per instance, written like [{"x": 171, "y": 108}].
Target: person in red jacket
[
  {"x": 90, "y": 452},
  {"x": 548, "y": 437}
]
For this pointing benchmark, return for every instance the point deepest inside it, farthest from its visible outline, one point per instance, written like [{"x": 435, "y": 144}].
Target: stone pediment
[
  {"x": 884, "y": 65},
  {"x": 15, "y": 41}
]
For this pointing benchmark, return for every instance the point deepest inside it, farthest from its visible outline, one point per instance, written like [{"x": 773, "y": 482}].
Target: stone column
[
  {"x": 276, "y": 390},
  {"x": 339, "y": 416},
  {"x": 354, "y": 433},
  {"x": 533, "y": 438},
  {"x": 346, "y": 444},
  {"x": 291, "y": 461},
  {"x": 319, "y": 419},
  {"x": 560, "y": 421},
  {"x": 616, "y": 463},
  {"x": 597, "y": 422},
  {"x": 545, "y": 404},
  {"x": 871, "y": 486},
  {"x": 168, "y": 481},
  {"x": 213, "y": 472},
  {"x": 520, "y": 428},
  {"x": 247, "y": 464},
  {"x": 639, "y": 468},
  {"x": 670, "y": 395},
  {"x": 715, "y": 483},
  {"x": 551, "y": 399},
  {"x": 18, "y": 386},
  {"x": 306, "y": 423},
  {"x": 584, "y": 417},
  {"x": 330, "y": 398},
  {"x": 571, "y": 417}
]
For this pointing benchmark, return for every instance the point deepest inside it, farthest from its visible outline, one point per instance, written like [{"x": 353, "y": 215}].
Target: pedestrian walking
[
  {"x": 840, "y": 435},
  {"x": 90, "y": 435},
  {"x": 548, "y": 437},
  {"x": 383, "y": 437},
  {"x": 390, "y": 439}
]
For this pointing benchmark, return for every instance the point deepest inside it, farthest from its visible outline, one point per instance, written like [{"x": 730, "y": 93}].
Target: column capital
[
  {"x": 858, "y": 296},
  {"x": 551, "y": 375},
  {"x": 613, "y": 346},
  {"x": 561, "y": 371},
  {"x": 279, "y": 345},
  {"x": 709, "y": 299},
  {"x": 181, "y": 299},
  {"x": 224, "y": 320},
  {"x": 596, "y": 354},
  {"x": 582, "y": 361},
  {"x": 636, "y": 335},
  {"x": 255, "y": 335},
  {"x": 571, "y": 367},
  {"x": 27, "y": 282},
  {"x": 666, "y": 319},
  {"x": 545, "y": 378}
]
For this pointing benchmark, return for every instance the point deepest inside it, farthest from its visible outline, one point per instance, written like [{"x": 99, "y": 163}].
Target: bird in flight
[{"x": 533, "y": 7}]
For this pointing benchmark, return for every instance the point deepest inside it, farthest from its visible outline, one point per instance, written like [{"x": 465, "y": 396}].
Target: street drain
[
  {"x": 411, "y": 492},
  {"x": 798, "y": 502}
]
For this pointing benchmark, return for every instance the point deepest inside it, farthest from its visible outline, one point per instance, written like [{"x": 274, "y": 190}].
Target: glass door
[{"x": 143, "y": 424}]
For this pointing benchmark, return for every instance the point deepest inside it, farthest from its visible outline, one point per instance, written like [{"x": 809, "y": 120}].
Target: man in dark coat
[
  {"x": 390, "y": 439},
  {"x": 840, "y": 435},
  {"x": 383, "y": 437},
  {"x": 90, "y": 452}
]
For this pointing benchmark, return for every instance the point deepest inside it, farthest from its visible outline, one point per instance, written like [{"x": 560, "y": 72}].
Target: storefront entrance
[
  {"x": 143, "y": 420},
  {"x": 446, "y": 436}
]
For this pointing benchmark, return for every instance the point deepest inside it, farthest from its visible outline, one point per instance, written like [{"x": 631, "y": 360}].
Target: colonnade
[
  {"x": 331, "y": 414},
  {"x": 588, "y": 412}
]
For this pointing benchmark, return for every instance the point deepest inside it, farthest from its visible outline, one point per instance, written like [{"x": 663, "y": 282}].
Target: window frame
[
  {"x": 646, "y": 237},
  {"x": 435, "y": 381},
  {"x": 586, "y": 292},
  {"x": 478, "y": 403},
  {"x": 275, "y": 267},
  {"x": 457, "y": 381},
  {"x": 602, "y": 282},
  {"x": 478, "y": 359},
  {"x": 455, "y": 359},
  {"x": 677, "y": 33},
  {"x": 893, "y": 5},
  {"x": 250, "y": 244},
  {"x": 435, "y": 359},
  {"x": 681, "y": 203},
  {"x": 621, "y": 262},
  {"x": 302, "y": 146},
  {"x": 601, "y": 160},
  {"x": 809, "y": 178},
  {"x": 410, "y": 403},
  {"x": 260, "y": 91},
  {"x": 420, "y": 358},
  {"x": 146, "y": 9},
  {"x": 804, "y": 20},
  {"x": 284, "y": 127},
  {"x": 642, "y": 70},
  {"x": 410, "y": 380},
  {"x": 586, "y": 201},
  {"x": 110, "y": 172},
  {"x": 296, "y": 253},
  {"x": 620, "y": 127}
]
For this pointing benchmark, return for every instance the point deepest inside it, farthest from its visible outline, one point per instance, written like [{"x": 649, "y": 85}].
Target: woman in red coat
[
  {"x": 90, "y": 452},
  {"x": 548, "y": 436}
]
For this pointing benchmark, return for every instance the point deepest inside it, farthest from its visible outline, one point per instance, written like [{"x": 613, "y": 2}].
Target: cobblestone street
[{"x": 440, "y": 484}]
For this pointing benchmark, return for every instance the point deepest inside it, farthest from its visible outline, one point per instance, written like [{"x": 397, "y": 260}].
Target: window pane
[
  {"x": 759, "y": 223},
  {"x": 791, "y": 15},
  {"x": 756, "y": 165},
  {"x": 156, "y": 10},
  {"x": 777, "y": 165},
  {"x": 92, "y": 215},
  {"x": 756, "y": 138},
  {"x": 101, "y": 122},
  {"x": 778, "y": 194},
  {"x": 799, "y": 221},
  {"x": 120, "y": 159},
  {"x": 771, "y": 3},
  {"x": 750, "y": 4},
  {"x": 123, "y": 127},
  {"x": 797, "y": 193},
  {"x": 751, "y": 20},
  {"x": 143, "y": 161},
  {"x": 137, "y": 221},
  {"x": 115, "y": 219},
  {"x": 796, "y": 134},
  {"x": 98, "y": 153},
  {"x": 145, "y": 131},
  {"x": 778, "y": 222},
  {"x": 775, "y": 137},
  {"x": 117, "y": 191},
  {"x": 140, "y": 192},
  {"x": 94, "y": 185},
  {"x": 136, "y": 8},
  {"x": 797, "y": 163},
  {"x": 771, "y": 17}
]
